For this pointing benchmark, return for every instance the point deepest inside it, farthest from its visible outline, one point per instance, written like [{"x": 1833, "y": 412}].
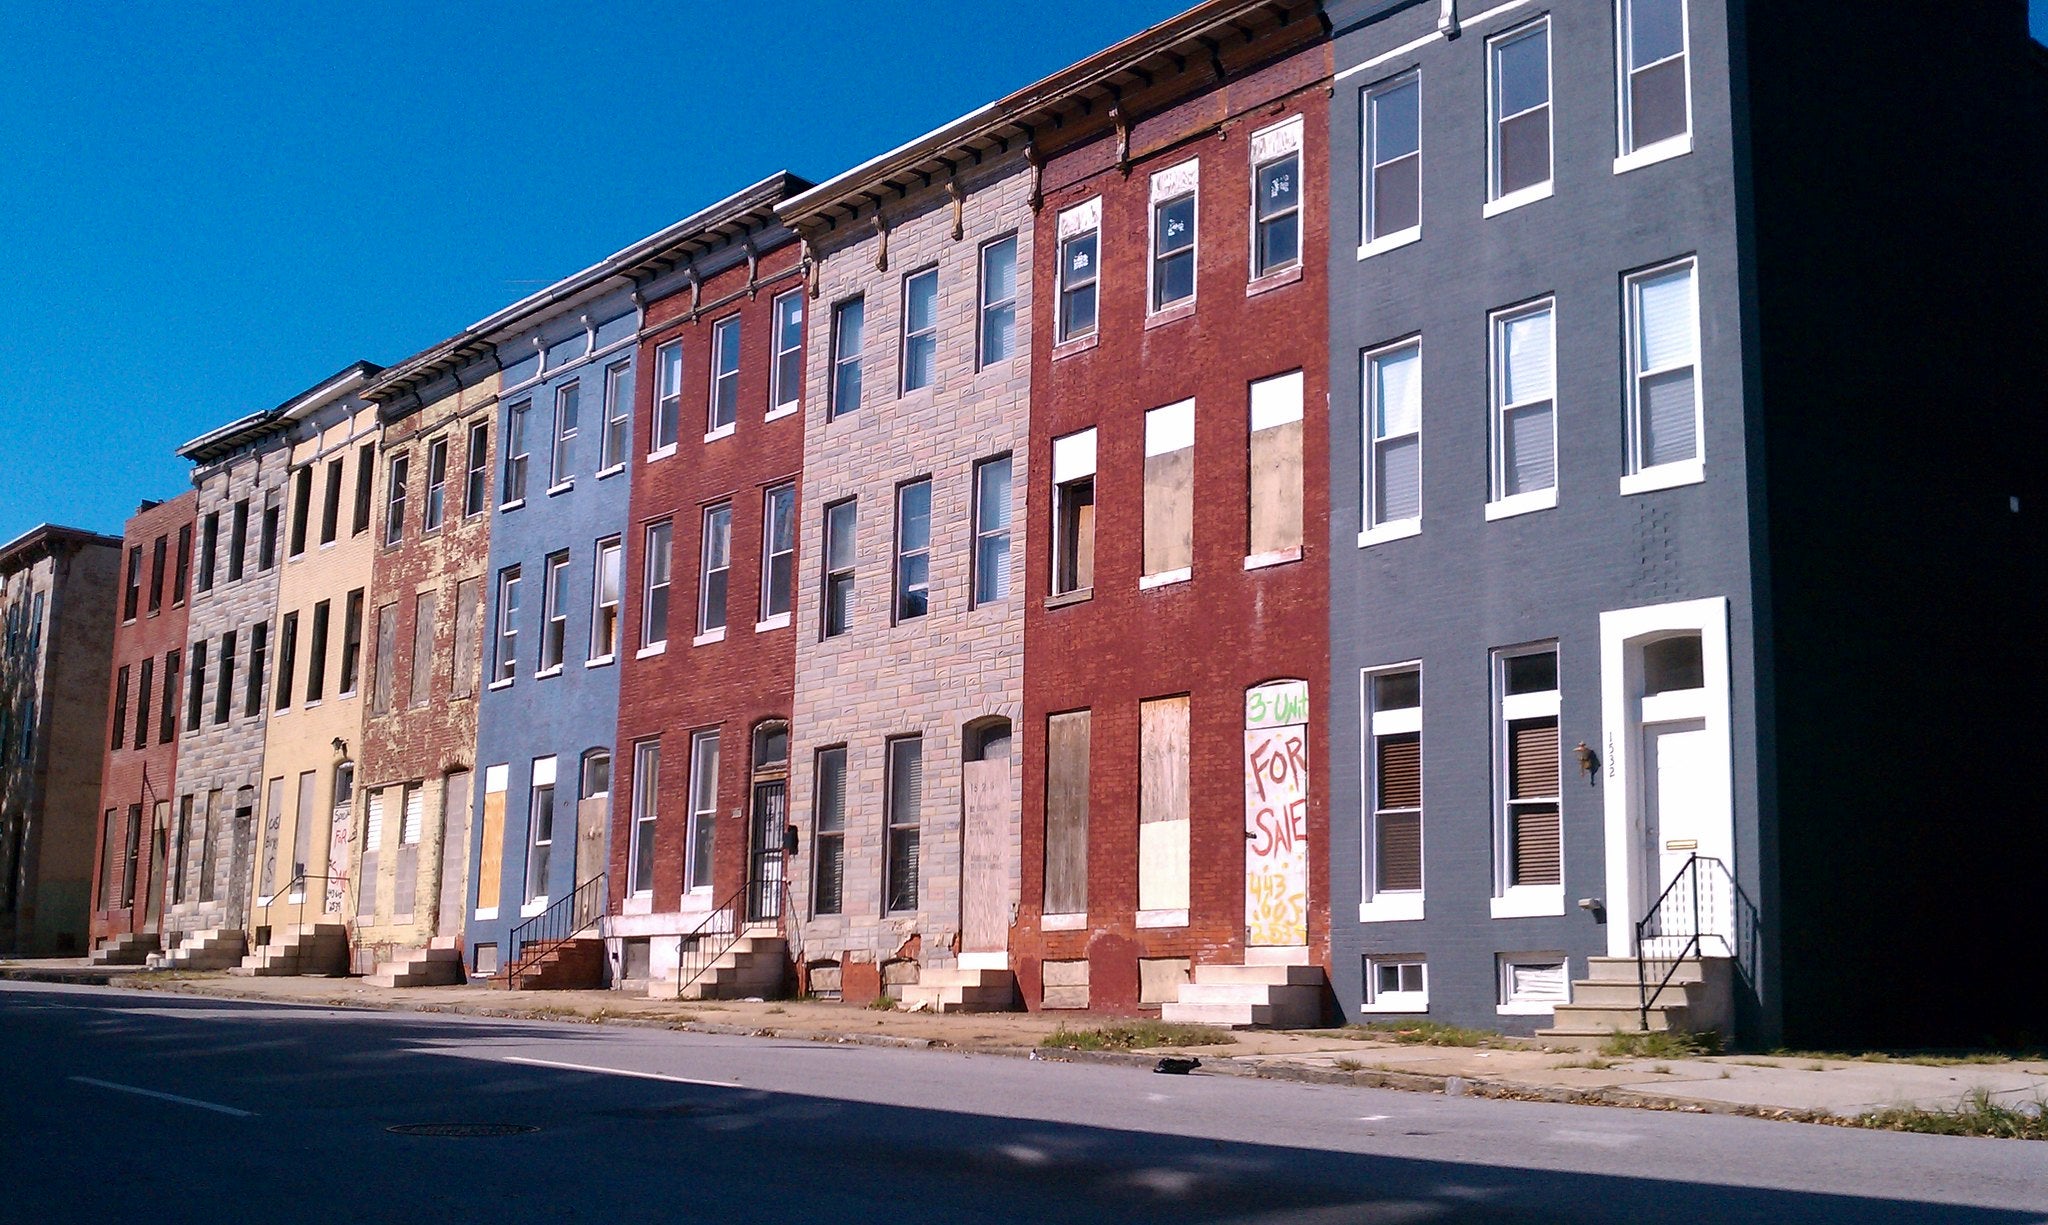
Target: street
[{"x": 125, "y": 1105}]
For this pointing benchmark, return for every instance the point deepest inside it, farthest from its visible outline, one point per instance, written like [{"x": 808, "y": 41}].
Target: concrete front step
[
  {"x": 437, "y": 965},
  {"x": 124, "y": 949},
  {"x": 1624, "y": 970},
  {"x": 957, "y": 989},
  {"x": 1629, "y": 995},
  {"x": 304, "y": 948},
  {"x": 1274, "y": 975},
  {"x": 1224, "y": 1016},
  {"x": 1291, "y": 999},
  {"x": 1582, "y": 1018},
  {"x": 1260, "y": 992}
]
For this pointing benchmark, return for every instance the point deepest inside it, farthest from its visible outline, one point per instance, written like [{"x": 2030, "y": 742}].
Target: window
[
  {"x": 506, "y": 666},
  {"x": 195, "y": 689},
  {"x": 384, "y": 665},
  {"x": 654, "y": 609},
  {"x": 1066, "y": 813},
  {"x": 847, "y": 321},
  {"x": 920, "y": 329},
  {"x": 351, "y": 638},
  {"x": 1663, "y": 390},
  {"x": 184, "y": 566},
  {"x": 259, "y": 649},
  {"x": 646, "y": 793},
  {"x": 703, "y": 806},
  {"x": 515, "y": 452},
  {"x": 1173, "y": 235},
  {"x": 238, "y": 540},
  {"x": 476, "y": 476},
  {"x": 167, "y": 709},
  {"x": 1163, "y": 811},
  {"x": 716, "y": 569},
  {"x": 1518, "y": 83},
  {"x": 437, "y": 485},
  {"x": 567, "y": 401},
  {"x": 1527, "y": 772},
  {"x": 1073, "y": 513},
  {"x": 120, "y": 722},
  {"x": 540, "y": 831},
  {"x": 266, "y": 545},
  {"x": 998, "y": 300},
  {"x": 1524, "y": 439},
  {"x": 604, "y": 613},
  {"x": 1169, "y": 544},
  {"x": 419, "y": 682},
  {"x": 554, "y": 613},
  {"x": 597, "y": 775},
  {"x": 209, "y": 541},
  {"x": 1393, "y": 440},
  {"x": 224, "y": 679},
  {"x": 330, "y": 509},
  {"x": 1274, "y": 514},
  {"x": 394, "y": 500},
  {"x": 839, "y": 553},
  {"x": 788, "y": 373},
  {"x": 1393, "y": 161},
  {"x": 1396, "y": 984},
  {"x": 1656, "y": 101},
  {"x": 618, "y": 416},
  {"x": 1393, "y": 837},
  {"x": 131, "y": 600},
  {"x": 158, "y": 554},
  {"x": 360, "y": 522},
  {"x": 668, "y": 398},
  {"x": 145, "y": 689},
  {"x": 828, "y": 833},
  {"x": 913, "y": 549},
  {"x": 1533, "y": 983},
  {"x": 316, "y": 653},
  {"x": 1080, "y": 232},
  {"x": 906, "y": 798},
  {"x": 287, "y": 659},
  {"x": 725, "y": 376},
  {"x": 778, "y": 553},
  {"x": 1276, "y": 198},
  {"x": 462, "y": 663},
  {"x": 992, "y": 530}
]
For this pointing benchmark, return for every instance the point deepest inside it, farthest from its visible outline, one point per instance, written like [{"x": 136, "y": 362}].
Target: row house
[
  {"x": 141, "y": 839},
  {"x": 58, "y": 587}
]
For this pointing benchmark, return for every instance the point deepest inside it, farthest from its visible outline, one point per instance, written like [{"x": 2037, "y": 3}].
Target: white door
[{"x": 1677, "y": 817}]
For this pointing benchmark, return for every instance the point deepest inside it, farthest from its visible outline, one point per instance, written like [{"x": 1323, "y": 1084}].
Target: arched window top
[
  {"x": 987, "y": 739},
  {"x": 771, "y": 746},
  {"x": 597, "y": 773}
]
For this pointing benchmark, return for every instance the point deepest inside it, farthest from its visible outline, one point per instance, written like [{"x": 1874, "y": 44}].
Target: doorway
[
  {"x": 766, "y": 830},
  {"x": 986, "y": 807},
  {"x": 1276, "y": 824}
]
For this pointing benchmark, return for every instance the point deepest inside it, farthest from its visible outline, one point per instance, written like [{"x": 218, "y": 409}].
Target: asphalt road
[{"x": 135, "y": 1106}]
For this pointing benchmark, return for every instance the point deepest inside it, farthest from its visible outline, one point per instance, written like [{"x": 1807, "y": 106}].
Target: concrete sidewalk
[{"x": 1785, "y": 1086}]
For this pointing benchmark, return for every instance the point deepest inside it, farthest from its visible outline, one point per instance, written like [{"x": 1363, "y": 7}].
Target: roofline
[
  {"x": 46, "y": 535},
  {"x": 217, "y": 442}
]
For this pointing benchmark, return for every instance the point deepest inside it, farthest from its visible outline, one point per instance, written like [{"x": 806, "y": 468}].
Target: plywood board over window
[
  {"x": 491, "y": 849},
  {"x": 1275, "y": 511},
  {"x": 1066, "y": 813},
  {"x": 1170, "y": 491},
  {"x": 1163, "y": 807}
]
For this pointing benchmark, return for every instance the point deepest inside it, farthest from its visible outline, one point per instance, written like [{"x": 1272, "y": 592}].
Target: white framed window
[
  {"x": 618, "y": 416},
  {"x": 725, "y": 377},
  {"x": 920, "y": 329},
  {"x": 1664, "y": 414},
  {"x": 1393, "y": 442},
  {"x": 1276, "y": 198},
  {"x": 654, "y": 604},
  {"x": 778, "y": 555},
  {"x": 715, "y": 571},
  {"x": 1173, "y": 235},
  {"x": 516, "y": 452},
  {"x": 1654, "y": 92},
  {"x": 998, "y": 300},
  {"x": 1080, "y": 237},
  {"x": 1392, "y": 834},
  {"x": 828, "y": 832},
  {"x": 1532, "y": 984},
  {"x": 394, "y": 500},
  {"x": 787, "y": 375},
  {"x": 991, "y": 530},
  {"x": 905, "y": 801},
  {"x": 1518, "y": 127},
  {"x": 668, "y": 399},
  {"x": 568, "y": 400},
  {"x": 1527, "y": 772},
  {"x": 849, "y": 323},
  {"x": 1396, "y": 983},
  {"x": 437, "y": 489},
  {"x": 646, "y": 811},
  {"x": 604, "y": 612},
  {"x": 913, "y": 550},
  {"x": 476, "y": 482},
  {"x": 1523, "y": 423},
  {"x": 703, "y": 807},
  {"x": 1073, "y": 512},
  {"x": 839, "y": 557},
  {"x": 506, "y": 665},
  {"x": 554, "y": 613},
  {"x": 1392, "y": 113},
  {"x": 540, "y": 832}
]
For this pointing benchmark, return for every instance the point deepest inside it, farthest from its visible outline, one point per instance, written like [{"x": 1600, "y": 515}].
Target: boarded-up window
[
  {"x": 110, "y": 860},
  {"x": 1170, "y": 491},
  {"x": 1163, "y": 804},
  {"x": 373, "y": 846},
  {"x": 387, "y": 646},
  {"x": 491, "y": 840},
  {"x": 1276, "y": 466},
  {"x": 420, "y": 687},
  {"x": 1066, "y": 813},
  {"x": 828, "y": 838},
  {"x": 462, "y": 669}
]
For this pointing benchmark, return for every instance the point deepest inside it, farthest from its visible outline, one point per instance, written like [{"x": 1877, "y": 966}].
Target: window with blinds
[
  {"x": 906, "y": 795},
  {"x": 1393, "y": 437},
  {"x": 1663, "y": 336},
  {"x": 1394, "y": 842},
  {"x": 828, "y": 832},
  {"x": 1528, "y": 733},
  {"x": 1524, "y": 378}
]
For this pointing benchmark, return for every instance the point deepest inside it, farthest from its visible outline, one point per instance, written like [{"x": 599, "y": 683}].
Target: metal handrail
[
  {"x": 1689, "y": 875},
  {"x": 699, "y": 949},
  {"x": 300, "y": 880},
  {"x": 553, "y": 927}
]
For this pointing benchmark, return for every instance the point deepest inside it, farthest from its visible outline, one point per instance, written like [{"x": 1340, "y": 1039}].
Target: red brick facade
[
  {"x": 137, "y": 786},
  {"x": 1226, "y": 628}
]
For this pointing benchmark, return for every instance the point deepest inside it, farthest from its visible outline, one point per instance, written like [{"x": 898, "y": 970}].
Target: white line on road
[
  {"x": 586, "y": 1067},
  {"x": 168, "y": 1097}
]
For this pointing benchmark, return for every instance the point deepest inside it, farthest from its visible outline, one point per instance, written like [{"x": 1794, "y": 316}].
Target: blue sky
[{"x": 208, "y": 207}]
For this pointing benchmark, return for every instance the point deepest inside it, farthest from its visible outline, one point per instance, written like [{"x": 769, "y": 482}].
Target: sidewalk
[{"x": 1785, "y": 1086}]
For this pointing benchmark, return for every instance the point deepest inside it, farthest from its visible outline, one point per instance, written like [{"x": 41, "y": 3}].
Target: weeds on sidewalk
[
  {"x": 1597, "y": 1064},
  {"x": 1135, "y": 1035},
  {"x": 1920, "y": 1059},
  {"x": 1975, "y": 1115},
  {"x": 1424, "y": 1033},
  {"x": 1661, "y": 1044}
]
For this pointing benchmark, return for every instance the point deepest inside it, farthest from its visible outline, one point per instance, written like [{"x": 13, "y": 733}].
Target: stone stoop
[
  {"x": 439, "y": 964},
  {"x": 1699, "y": 997},
  {"x": 125, "y": 949},
  {"x": 215, "y": 948},
  {"x": 755, "y": 966},
  {"x": 572, "y": 965},
  {"x": 305, "y": 948},
  {"x": 961, "y": 990},
  {"x": 1239, "y": 997}
]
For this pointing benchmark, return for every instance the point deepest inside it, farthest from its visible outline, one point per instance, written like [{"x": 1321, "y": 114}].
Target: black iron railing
[
  {"x": 563, "y": 920},
  {"x": 1670, "y": 934},
  {"x": 296, "y": 885},
  {"x": 698, "y": 950}
]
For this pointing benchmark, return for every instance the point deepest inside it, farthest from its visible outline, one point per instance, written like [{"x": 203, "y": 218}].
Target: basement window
[
  {"x": 1396, "y": 984},
  {"x": 1532, "y": 983}
]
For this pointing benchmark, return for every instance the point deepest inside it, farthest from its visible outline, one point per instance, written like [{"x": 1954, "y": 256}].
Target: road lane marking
[
  {"x": 588, "y": 1067},
  {"x": 168, "y": 1097}
]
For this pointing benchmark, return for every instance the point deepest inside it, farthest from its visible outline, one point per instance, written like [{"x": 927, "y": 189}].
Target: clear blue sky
[{"x": 207, "y": 207}]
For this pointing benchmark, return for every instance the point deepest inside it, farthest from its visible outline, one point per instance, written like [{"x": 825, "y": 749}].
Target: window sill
[
  {"x": 1183, "y": 309},
  {"x": 601, "y": 661},
  {"x": 485, "y": 914},
  {"x": 1165, "y": 578},
  {"x": 1650, "y": 155},
  {"x": 1279, "y": 557},
  {"x": 1390, "y": 242},
  {"x": 1529, "y": 902},
  {"x": 723, "y": 431},
  {"x": 1162, "y": 918},
  {"x": 545, "y": 673},
  {"x": 1079, "y": 595},
  {"x": 708, "y": 637},
  {"x": 1063, "y": 922},
  {"x": 651, "y": 650},
  {"x": 1272, "y": 281},
  {"x": 1391, "y": 908},
  {"x": 533, "y": 907},
  {"x": 324, "y": 546},
  {"x": 1665, "y": 476},
  {"x": 312, "y": 704},
  {"x": 514, "y": 504},
  {"x": 787, "y": 410},
  {"x": 1516, "y": 199},
  {"x": 555, "y": 491},
  {"x": 1406, "y": 1005},
  {"x": 1521, "y": 504},
  {"x": 780, "y": 621},
  {"x": 1080, "y": 344},
  {"x": 639, "y": 903},
  {"x": 1529, "y": 1008},
  {"x": 614, "y": 470},
  {"x": 661, "y": 452},
  {"x": 1399, "y": 529}
]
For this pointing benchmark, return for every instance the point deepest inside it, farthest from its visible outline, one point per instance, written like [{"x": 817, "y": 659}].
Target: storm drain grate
[{"x": 462, "y": 1131}]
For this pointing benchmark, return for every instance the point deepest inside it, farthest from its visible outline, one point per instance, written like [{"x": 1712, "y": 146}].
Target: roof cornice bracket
[
  {"x": 882, "y": 248},
  {"x": 959, "y": 197},
  {"x": 1036, "y": 161}
]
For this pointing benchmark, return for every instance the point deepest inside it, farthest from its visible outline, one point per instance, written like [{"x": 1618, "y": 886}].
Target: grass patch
[
  {"x": 1597, "y": 1064},
  {"x": 1347, "y": 1065},
  {"x": 1975, "y": 1115},
  {"x": 1919, "y": 1058},
  {"x": 1135, "y": 1035},
  {"x": 1661, "y": 1044},
  {"x": 883, "y": 1003},
  {"x": 1424, "y": 1033}
]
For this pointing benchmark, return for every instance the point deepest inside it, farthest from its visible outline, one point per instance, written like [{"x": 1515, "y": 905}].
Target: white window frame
[
  {"x": 1277, "y": 143},
  {"x": 476, "y": 470},
  {"x": 983, "y": 531},
  {"x": 1522, "y": 901},
  {"x": 397, "y": 475},
  {"x": 542, "y": 775},
  {"x": 667, "y": 400},
  {"x": 930, "y": 332},
  {"x": 1496, "y": 201},
  {"x": 1372, "y": 532},
  {"x": 1074, "y": 224},
  {"x": 772, "y": 620},
  {"x": 1507, "y": 1005},
  {"x": 434, "y": 505},
  {"x": 700, "y": 812},
  {"x": 1370, "y": 244},
  {"x": 1640, "y": 478},
  {"x": 1073, "y": 461},
  {"x": 1500, "y": 504},
  {"x": 553, "y": 609},
  {"x": 831, "y": 574},
  {"x": 721, "y": 378},
  {"x": 1171, "y": 186},
  {"x": 1374, "y": 905},
  {"x": 566, "y": 423},
  {"x": 505, "y": 664},
  {"x": 1394, "y": 1001},
  {"x": 519, "y": 463},
  {"x": 835, "y": 408},
  {"x": 784, "y": 400},
  {"x": 646, "y": 814},
  {"x": 611, "y": 549},
  {"x": 617, "y": 440},
  {"x": 1625, "y": 158},
  {"x": 649, "y": 644},
  {"x": 988, "y": 304},
  {"x": 707, "y": 632}
]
